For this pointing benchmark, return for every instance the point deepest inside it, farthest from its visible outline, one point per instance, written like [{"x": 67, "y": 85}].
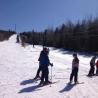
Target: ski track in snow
[{"x": 18, "y": 66}]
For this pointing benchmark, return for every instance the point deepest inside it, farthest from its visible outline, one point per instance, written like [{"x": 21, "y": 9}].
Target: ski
[
  {"x": 75, "y": 83},
  {"x": 47, "y": 84}
]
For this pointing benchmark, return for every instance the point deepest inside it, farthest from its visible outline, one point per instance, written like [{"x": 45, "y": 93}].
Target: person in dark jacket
[
  {"x": 75, "y": 67},
  {"x": 97, "y": 68},
  {"x": 39, "y": 69},
  {"x": 17, "y": 38},
  {"x": 92, "y": 66},
  {"x": 44, "y": 63},
  {"x": 38, "y": 73}
]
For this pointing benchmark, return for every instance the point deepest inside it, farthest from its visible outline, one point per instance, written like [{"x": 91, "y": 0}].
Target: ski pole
[
  {"x": 51, "y": 76},
  {"x": 51, "y": 73}
]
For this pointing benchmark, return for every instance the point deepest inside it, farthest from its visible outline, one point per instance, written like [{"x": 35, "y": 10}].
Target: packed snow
[{"x": 18, "y": 66}]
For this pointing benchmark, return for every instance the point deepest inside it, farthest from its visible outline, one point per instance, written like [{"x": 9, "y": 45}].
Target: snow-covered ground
[{"x": 18, "y": 67}]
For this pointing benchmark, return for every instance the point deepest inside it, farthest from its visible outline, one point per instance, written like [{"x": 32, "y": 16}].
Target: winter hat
[{"x": 75, "y": 54}]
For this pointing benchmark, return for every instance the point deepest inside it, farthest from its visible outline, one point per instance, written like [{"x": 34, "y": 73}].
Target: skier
[
  {"x": 39, "y": 69},
  {"x": 75, "y": 67},
  {"x": 38, "y": 72},
  {"x": 33, "y": 45},
  {"x": 44, "y": 63},
  {"x": 92, "y": 66},
  {"x": 23, "y": 40},
  {"x": 97, "y": 68},
  {"x": 17, "y": 38}
]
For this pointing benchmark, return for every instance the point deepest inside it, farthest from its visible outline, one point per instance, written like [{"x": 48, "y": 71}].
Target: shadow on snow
[
  {"x": 71, "y": 51},
  {"x": 68, "y": 87},
  {"x": 29, "y": 89},
  {"x": 25, "y": 82}
]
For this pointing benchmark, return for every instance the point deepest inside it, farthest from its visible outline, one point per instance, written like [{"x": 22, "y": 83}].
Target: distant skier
[
  {"x": 44, "y": 63},
  {"x": 75, "y": 67},
  {"x": 33, "y": 45},
  {"x": 23, "y": 40},
  {"x": 92, "y": 66},
  {"x": 97, "y": 68},
  {"x": 17, "y": 38}
]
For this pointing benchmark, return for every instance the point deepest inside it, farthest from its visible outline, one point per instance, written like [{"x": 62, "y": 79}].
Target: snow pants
[
  {"x": 38, "y": 71},
  {"x": 96, "y": 70},
  {"x": 45, "y": 72},
  {"x": 74, "y": 74},
  {"x": 91, "y": 71}
]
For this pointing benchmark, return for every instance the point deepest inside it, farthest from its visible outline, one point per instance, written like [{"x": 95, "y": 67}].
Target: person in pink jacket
[{"x": 75, "y": 67}]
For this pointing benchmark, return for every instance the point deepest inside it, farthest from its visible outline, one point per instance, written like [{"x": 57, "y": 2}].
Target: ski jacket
[
  {"x": 97, "y": 64},
  {"x": 75, "y": 63},
  {"x": 44, "y": 59},
  {"x": 92, "y": 62}
]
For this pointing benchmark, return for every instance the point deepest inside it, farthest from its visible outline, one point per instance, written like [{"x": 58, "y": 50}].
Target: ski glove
[{"x": 51, "y": 64}]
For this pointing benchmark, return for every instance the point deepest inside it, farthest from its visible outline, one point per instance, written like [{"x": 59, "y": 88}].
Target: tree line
[
  {"x": 80, "y": 36},
  {"x": 5, "y": 35}
]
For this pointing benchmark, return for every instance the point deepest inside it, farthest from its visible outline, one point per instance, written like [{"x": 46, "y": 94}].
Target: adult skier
[
  {"x": 44, "y": 63},
  {"x": 39, "y": 69}
]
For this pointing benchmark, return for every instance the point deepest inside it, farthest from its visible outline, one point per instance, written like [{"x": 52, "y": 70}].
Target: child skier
[
  {"x": 75, "y": 67},
  {"x": 92, "y": 66},
  {"x": 97, "y": 68}
]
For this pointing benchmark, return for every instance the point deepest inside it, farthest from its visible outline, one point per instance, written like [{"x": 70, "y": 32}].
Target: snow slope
[{"x": 18, "y": 67}]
